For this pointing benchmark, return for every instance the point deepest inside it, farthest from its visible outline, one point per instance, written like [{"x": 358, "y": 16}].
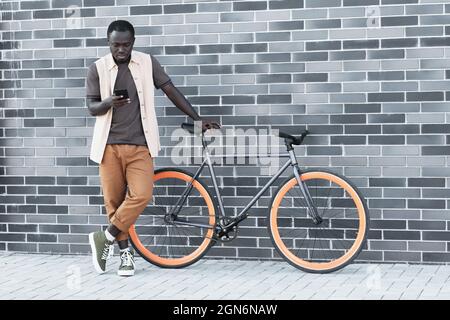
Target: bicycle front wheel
[
  {"x": 336, "y": 240},
  {"x": 165, "y": 242}
]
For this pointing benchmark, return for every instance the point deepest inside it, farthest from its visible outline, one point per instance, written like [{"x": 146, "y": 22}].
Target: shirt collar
[{"x": 112, "y": 63}]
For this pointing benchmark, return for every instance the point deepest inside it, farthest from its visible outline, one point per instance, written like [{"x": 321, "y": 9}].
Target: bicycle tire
[
  {"x": 149, "y": 251},
  {"x": 302, "y": 223}
]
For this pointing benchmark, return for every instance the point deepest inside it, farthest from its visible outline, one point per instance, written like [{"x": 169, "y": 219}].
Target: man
[{"x": 126, "y": 137}]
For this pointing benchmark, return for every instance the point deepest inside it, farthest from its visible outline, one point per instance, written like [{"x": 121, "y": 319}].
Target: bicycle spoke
[
  {"x": 320, "y": 245},
  {"x": 342, "y": 245},
  {"x": 182, "y": 230},
  {"x": 149, "y": 236},
  {"x": 324, "y": 210},
  {"x": 170, "y": 242}
]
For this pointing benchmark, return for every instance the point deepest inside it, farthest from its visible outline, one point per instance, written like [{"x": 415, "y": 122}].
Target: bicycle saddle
[{"x": 296, "y": 140}]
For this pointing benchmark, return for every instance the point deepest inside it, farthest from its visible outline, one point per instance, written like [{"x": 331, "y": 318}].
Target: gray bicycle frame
[{"x": 243, "y": 214}]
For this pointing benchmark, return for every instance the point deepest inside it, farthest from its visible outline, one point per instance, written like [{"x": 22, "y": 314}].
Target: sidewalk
[{"x": 39, "y": 276}]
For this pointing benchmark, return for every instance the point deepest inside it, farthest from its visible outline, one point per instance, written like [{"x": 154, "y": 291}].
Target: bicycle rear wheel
[
  {"x": 329, "y": 245},
  {"x": 165, "y": 243}
]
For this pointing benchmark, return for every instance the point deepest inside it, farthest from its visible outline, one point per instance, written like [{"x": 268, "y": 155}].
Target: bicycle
[{"x": 318, "y": 221}]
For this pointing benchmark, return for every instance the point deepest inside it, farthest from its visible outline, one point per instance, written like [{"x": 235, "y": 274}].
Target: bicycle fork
[{"x": 311, "y": 208}]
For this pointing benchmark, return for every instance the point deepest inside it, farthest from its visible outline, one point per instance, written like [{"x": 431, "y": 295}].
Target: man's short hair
[{"x": 120, "y": 25}]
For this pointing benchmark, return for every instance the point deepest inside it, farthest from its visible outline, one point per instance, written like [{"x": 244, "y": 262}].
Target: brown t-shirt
[{"x": 126, "y": 125}]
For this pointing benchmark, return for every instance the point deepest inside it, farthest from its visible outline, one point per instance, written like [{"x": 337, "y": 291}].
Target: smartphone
[{"x": 121, "y": 92}]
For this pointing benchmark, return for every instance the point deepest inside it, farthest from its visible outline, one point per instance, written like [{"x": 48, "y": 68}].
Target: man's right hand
[
  {"x": 118, "y": 101},
  {"x": 98, "y": 108}
]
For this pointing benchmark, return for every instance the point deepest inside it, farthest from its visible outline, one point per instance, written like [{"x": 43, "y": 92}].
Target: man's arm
[
  {"x": 181, "y": 103},
  {"x": 97, "y": 107}
]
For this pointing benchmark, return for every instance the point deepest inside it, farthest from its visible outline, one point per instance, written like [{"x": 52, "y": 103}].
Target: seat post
[
  {"x": 293, "y": 158},
  {"x": 288, "y": 144}
]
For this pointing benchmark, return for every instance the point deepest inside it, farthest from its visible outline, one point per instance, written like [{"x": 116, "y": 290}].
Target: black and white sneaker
[{"x": 127, "y": 263}]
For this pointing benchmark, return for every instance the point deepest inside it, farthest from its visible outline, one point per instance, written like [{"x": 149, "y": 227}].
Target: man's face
[{"x": 121, "y": 44}]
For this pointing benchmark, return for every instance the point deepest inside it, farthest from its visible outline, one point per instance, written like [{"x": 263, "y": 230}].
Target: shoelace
[
  {"x": 127, "y": 259},
  {"x": 107, "y": 252}
]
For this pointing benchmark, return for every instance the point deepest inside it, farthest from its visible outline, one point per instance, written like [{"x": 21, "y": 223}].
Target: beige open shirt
[{"x": 141, "y": 69}]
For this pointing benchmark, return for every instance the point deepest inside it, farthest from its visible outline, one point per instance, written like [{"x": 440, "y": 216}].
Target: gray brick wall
[{"x": 373, "y": 90}]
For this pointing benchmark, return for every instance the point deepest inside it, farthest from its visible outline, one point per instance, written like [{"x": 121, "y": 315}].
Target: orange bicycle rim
[
  {"x": 207, "y": 239},
  {"x": 315, "y": 265}
]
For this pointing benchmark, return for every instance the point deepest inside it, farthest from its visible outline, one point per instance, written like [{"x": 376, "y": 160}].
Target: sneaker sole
[
  {"x": 94, "y": 254},
  {"x": 125, "y": 273}
]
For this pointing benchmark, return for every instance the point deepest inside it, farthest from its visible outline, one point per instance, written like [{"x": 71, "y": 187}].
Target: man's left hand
[{"x": 209, "y": 124}]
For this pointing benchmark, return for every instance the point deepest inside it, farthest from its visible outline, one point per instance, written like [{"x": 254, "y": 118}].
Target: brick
[
  {"x": 435, "y": 150},
  {"x": 437, "y": 140},
  {"x": 323, "y": 45},
  {"x": 55, "y": 73},
  {"x": 358, "y": 3},
  {"x": 25, "y": 247},
  {"x": 145, "y": 10},
  {"x": 67, "y": 43},
  {"x": 324, "y": 151},
  {"x": 426, "y": 225},
  {"x": 426, "y": 204},
  {"x": 285, "y": 4},
  {"x": 84, "y": 190},
  {"x": 387, "y": 140},
  {"x": 12, "y": 237},
  {"x": 359, "y": 44},
  {"x": 348, "y": 140},
  {"x": 436, "y": 235},
  {"x": 399, "y": 43},
  {"x": 402, "y": 235},
  {"x": 21, "y": 190},
  {"x": 436, "y": 257},
  {"x": 47, "y": 14},
  {"x": 348, "y": 55},
  {"x": 386, "y": 75},
  {"x": 54, "y": 248},
  {"x": 180, "y": 49},
  {"x": 311, "y": 77},
  {"x": 400, "y": 21},
  {"x": 323, "y": 24},
  {"x": 357, "y": 118},
  {"x": 403, "y": 256},
  {"x": 66, "y": 3},
  {"x": 22, "y": 227},
  {"x": 41, "y": 238},
  {"x": 41, "y": 200},
  {"x": 185, "y": 8},
  {"x": 322, "y": 3},
  {"x": 310, "y": 56},
  {"x": 263, "y": 99},
  {"x": 386, "y": 54},
  {"x": 425, "y": 96},
  {"x": 361, "y": 129},
  {"x": 251, "y": 6},
  {"x": 98, "y": 3},
  {"x": 225, "y": 48},
  {"x": 273, "y": 57},
  {"x": 34, "y": 5}
]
